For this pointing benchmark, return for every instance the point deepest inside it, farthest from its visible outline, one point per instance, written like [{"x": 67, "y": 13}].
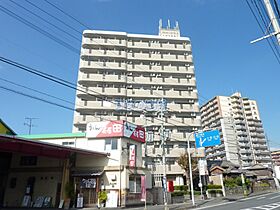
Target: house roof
[
  {"x": 39, "y": 148},
  {"x": 10, "y": 131}
]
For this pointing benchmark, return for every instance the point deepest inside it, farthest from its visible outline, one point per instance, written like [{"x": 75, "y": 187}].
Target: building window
[
  {"x": 134, "y": 184},
  {"x": 28, "y": 160},
  {"x": 111, "y": 144},
  {"x": 68, "y": 143}
]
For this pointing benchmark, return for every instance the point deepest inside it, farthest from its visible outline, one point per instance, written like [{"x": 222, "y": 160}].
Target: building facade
[
  {"x": 120, "y": 173},
  {"x": 148, "y": 80},
  {"x": 242, "y": 134}
]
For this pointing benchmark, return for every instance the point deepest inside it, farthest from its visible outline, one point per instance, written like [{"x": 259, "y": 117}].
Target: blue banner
[{"x": 207, "y": 138}]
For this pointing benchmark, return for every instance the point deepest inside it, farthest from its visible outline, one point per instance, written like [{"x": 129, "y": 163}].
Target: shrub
[
  {"x": 181, "y": 188},
  {"x": 179, "y": 193},
  {"x": 214, "y": 186},
  {"x": 215, "y": 191}
]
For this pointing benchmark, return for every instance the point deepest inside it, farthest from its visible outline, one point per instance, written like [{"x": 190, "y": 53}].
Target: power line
[
  {"x": 69, "y": 26},
  {"x": 38, "y": 29},
  {"x": 58, "y": 28},
  {"x": 252, "y": 11},
  {"x": 68, "y": 15}
]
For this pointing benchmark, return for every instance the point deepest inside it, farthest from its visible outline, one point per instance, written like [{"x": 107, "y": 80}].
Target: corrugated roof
[{"x": 53, "y": 136}]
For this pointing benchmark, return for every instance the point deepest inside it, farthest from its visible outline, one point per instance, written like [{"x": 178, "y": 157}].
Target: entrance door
[{"x": 89, "y": 195}]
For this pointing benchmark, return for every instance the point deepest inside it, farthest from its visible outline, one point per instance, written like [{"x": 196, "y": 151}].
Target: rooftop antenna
[
  {"x": 160, "y": 24},
  {"x": 177, "y": 25},
  {"x": 168, "y": 24}
]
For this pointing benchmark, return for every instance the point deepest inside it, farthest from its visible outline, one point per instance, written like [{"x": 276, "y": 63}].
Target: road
[{"x": 260, "y": 202}]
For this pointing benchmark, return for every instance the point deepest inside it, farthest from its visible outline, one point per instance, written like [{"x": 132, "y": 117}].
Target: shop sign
[
  {"x": 118, "y": 128},
  {"x": 132, "y": 157},
  {"x": 88, "y": 183}
]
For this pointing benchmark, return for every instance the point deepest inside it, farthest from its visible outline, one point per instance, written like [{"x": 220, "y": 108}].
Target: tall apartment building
[
  {"x": 128, "y": 76},
  {"x": 275, "y": 155},
  {"x": 241, "y": 130}
]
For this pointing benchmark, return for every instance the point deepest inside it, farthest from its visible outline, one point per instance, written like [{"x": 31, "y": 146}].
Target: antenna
[
  {"x": 177, "y": 25},
  {"x": 160, "y": 24},
  {"x": 29, "y": 123},
  {"x": 168, "y": 24}
]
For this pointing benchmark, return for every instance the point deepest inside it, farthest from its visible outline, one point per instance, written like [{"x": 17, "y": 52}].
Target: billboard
[
  {"x": 141, "y": 105},
  {"x": 207, "y": 138},
  {"x": 117, "y": 128}
]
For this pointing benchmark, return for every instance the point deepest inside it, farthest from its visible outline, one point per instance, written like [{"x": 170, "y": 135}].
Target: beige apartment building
[
  {"x": 147, "y": 80},
  {"x": 242, "y": 134}
]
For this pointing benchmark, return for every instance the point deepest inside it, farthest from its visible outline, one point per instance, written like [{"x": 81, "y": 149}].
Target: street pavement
[
  {"x": 266, "y": 201},
  {"x": 261, "y": 202}
]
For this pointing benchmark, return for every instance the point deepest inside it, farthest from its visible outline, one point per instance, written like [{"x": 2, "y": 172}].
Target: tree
[{"x": 183, "y": 162}]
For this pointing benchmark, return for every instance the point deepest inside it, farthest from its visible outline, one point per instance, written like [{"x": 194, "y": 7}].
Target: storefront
[{"x": 39, "y": 172}]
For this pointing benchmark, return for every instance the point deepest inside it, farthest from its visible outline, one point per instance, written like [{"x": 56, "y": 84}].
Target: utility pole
[
  {"x": 273, "y": 19},
  {"x": 273, "y": 22},
  {"x": 29, "y": 124},
  {"x": 162, "y": 137}
]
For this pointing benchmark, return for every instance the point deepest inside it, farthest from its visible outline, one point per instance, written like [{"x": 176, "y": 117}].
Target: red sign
[
  {"x": 118, "y": 128},
  {"x": 132, "y": 155}
]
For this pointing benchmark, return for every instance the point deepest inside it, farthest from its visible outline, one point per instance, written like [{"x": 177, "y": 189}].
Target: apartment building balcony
[
  {"x": 244, "y": 151},
  {"x": 95, "y": 105},
  {"x": 159, "y": 46},
  {"x": 159, "y": 58},
  {"x": 263, "y": 158},
  {"x": 260, "y": 130},
  {"x": 118, "y": 92},
  {"x": 170, "y": 169},
  {"x": 180, "y": 70},
  {"x": 242, "y": 133},
  {"x": 80, "y": 121},
  {"x": 238, "y": 121},
  {"x": 88, "y": 66},
  {"x": 88, "y": 79},
  {"x": 258, "y": 141},
  {"x": 262, "y": 152},
  {"x": 259, "y": 146},
  {"x": 246, "y": 158},
  {"x": 103, "y": 54},
  {"x": 182, "y": 107},
  {"x": 89, "y": 42},
  {"x": 240, "y": 127}
]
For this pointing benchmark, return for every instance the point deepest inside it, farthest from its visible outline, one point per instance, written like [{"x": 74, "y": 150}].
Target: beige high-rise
[
  {"x": 122, "y": 73},
  {"x": 242, "y": 134}
]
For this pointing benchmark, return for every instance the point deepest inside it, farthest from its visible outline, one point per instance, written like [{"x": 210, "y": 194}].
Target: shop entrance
[
  {"x": 90, "y": 196},
  {"x": 87, "y": 187}
]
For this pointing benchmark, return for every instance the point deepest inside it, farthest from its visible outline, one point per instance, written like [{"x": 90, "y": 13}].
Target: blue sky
[{"x": 220, "y": 31}]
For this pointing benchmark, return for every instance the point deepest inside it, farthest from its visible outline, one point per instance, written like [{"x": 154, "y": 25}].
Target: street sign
[{"x": 207, "y": 138}]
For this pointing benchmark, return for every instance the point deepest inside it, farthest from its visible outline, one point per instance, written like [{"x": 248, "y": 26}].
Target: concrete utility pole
[
  {"x": 29, "y": 123},
  {"x": 162, "y": 137},
  {"x": 273, "y": 21}
]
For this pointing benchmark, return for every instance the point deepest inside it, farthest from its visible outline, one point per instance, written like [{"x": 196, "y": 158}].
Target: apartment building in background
[
  {"x": 242, "y": 134},
  {"x": 147, "y": 80}
]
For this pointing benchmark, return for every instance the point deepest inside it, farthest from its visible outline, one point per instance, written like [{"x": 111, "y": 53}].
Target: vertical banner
[
  {"x": 132, "y": 155},
  {"x": 143, "y": 188}
]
